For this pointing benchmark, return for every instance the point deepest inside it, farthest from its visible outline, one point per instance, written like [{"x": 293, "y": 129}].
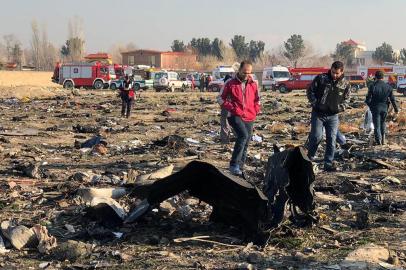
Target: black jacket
[
  {"x": 327, "y": 96},
  {"x": 379, "y": 94}
]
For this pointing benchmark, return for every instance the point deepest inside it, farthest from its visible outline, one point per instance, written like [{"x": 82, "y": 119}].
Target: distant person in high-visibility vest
[{"x": 127, "y": 97}]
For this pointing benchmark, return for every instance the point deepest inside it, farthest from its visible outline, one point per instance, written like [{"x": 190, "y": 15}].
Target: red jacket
[{"x": 247, "y": 105}]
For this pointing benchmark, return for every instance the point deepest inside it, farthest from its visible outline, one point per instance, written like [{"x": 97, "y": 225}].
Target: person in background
[
  {"x": 208, "y": 80},
  {"x": 241, "y": 100},
  {"x": 192, "y": 80},
  {"x": 225, "y": 129},
  {"x": 127, "y": 97},
  {"x": 379, "y": 93},
  {"x": 202, "y": 82}
]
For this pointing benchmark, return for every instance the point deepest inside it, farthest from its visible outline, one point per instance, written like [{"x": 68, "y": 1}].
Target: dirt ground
[
  {"x": 26, "y": 84},
  {"x": 39, "y": 130}
]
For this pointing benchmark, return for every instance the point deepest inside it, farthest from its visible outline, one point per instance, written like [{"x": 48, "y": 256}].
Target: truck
[
  {"x": 300, "y": 78},
  {"x": 272, "y": 75},
  {"x": 83, "y": 74},
  {"x": 218, "y": 74},
  {"x": 391, "y": 73},
  {"x": 357, "y": 82}
]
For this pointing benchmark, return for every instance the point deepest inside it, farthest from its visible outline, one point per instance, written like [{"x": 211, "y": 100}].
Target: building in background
[
  {"x": 101, "y": 57},
  {"x": 160, "y": 60}
]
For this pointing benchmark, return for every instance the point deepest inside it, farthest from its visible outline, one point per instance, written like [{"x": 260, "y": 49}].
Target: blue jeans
[
  {"x": 379, "y": 114},
  {"x": 330, "y": 124},
  {"x": 243, "y": 132},
  {"x": 341, "y": 140}
]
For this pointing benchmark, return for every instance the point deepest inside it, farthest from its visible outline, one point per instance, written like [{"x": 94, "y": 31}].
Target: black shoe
[{"x": 330, "y": 168}]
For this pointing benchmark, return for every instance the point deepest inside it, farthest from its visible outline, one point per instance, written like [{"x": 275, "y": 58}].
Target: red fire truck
[
  {"x": 88, "y": 75},
  {"x": 391, "y": 73}
]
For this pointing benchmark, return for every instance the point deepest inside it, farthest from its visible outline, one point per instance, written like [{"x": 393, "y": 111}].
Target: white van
[
  {"x": 272, "y": 75},
  {"x": 218, "y": 75}
]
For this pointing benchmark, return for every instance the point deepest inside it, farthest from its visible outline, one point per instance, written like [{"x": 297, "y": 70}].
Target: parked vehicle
[
  {"x": 300, "y": 78},
  {"x": 140, "y": 83},
  {"x": 169, "y": 81},
  {"x": 121, "y": 71},
  {"x": 391, "y": 73},
  {"x": 220, "y": 84},
  {"x": 357, "y": 82},
  {"x": 272, "y": 75},
  {"x": 401, "y": 84},
  {"x": 218, "y": 74},
  {"x": 89, "y": 75},
  {"x": 308, "y": 70},
  {"x": 296, "y": 82}
]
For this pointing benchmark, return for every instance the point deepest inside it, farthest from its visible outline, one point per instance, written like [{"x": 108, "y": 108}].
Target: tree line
[
  {"x": 42, "y": 54},
  {"x": 293, "y": 50}
]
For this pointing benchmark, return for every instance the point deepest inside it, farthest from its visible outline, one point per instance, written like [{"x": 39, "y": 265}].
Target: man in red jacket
[{"x": 240, "y": 98}]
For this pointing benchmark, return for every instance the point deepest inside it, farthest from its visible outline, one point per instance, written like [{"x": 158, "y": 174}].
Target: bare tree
[
  {"x": 10, "y": 41},
  {"x": 208, "y": 62},
  {"x": 76, "y": 39},
  {"x": 36, "y": 45},
  {"x": 228, "y": 54},
  {"x": 17, "y": 55},
  {"x": 3, "y": 53}
]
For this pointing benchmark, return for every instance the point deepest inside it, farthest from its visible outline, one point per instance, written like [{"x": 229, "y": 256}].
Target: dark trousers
[
  {"x": 243, "y": 132},
  {"x": 330, "y": 124},
  {"x": 126, "y": 103},
  {"x": 379, "y": 114}
]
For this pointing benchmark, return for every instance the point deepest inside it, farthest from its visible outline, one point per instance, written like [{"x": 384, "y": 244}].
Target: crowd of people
[{"x": 328, "y": 96}]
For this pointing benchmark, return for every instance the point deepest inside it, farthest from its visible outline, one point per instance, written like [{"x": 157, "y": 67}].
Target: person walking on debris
[
  {"x": 127, "y": 97},
  {"x": 240, "y": 98},
  {"x": 224, "y": 126},
  {"x": 202, "y": 82},
  {"x": 328, "y": 95},
  {"x": 377, "y": 100}
]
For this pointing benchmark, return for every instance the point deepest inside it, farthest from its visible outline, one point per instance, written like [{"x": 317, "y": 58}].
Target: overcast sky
[{"x": 154, "y": 24}]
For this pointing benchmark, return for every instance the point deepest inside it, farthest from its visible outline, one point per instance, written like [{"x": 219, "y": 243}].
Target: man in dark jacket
[
  {"x": 241, "y": 99},
  {"x": 127, "y": 97},
  {"x": 379, "y": 93},
  {"x": 328, "y": 95}
]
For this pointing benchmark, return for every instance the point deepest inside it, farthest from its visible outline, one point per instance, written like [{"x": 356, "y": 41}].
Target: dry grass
[
  {"x": 301, "y": 128},
  {"x": 27, "y": 84},
  {"x": 26, "y": 78},
  {"x": 349, "y": 127},
  {"x": 356, "y": 111},
  {"x": 401, "y": 119},
  {"x": 278, "y": 128}
]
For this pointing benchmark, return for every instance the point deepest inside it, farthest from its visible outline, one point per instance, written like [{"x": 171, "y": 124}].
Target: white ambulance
[{"x": 273, "y": 75}]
